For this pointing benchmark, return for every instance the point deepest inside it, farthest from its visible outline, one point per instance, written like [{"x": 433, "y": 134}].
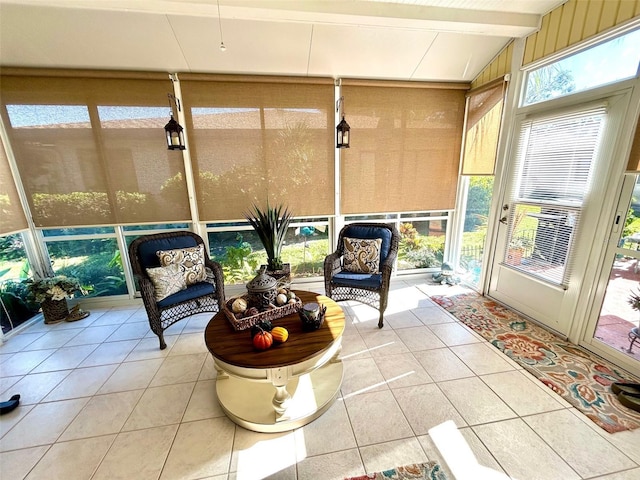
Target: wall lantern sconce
[
  {"x": 342, "y": 130},
  {"x": 173, "y": 130}
]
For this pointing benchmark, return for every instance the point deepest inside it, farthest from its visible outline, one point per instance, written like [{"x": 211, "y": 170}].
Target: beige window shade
[
  {"x": 483, "y": 129},
  {"x": 634, "y": 156},
  {"x": 258, "y": 141},
  {"x": 92, "y": 151},
  {"x": 405, "y": 148},
  {"x": 12, "y": 217}
]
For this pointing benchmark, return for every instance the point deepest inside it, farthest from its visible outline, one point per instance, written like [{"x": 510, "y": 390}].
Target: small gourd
[
  {"x": 262, "y": 340},
  {"x": 264, "y": 325},
  {"x": 239, "y": 305},
  {"x": 281, "y": 299},
  {"x": 279, "y": 334}
]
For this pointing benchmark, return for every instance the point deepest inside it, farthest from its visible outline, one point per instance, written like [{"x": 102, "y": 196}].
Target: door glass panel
[
  {"x": 618, "y": 319},
  {"x": 540, "y": 241},
  {"x": 555, "y": 159}
]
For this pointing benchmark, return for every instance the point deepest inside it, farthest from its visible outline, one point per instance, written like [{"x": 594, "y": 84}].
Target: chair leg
[
  {"x": 163, "y": 345},
  {"x": 381, "y": 320}
]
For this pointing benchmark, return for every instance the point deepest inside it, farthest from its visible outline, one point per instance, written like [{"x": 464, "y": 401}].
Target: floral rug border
[
  {"x": 578, "y": 376},
  {"x": 423, "y": 471}
]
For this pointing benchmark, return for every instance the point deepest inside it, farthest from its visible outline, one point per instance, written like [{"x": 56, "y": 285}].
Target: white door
[{"x": 554, "y": 191}]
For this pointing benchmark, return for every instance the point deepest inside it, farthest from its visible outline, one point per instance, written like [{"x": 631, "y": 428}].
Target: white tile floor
[{"x": 101, "y": 401}]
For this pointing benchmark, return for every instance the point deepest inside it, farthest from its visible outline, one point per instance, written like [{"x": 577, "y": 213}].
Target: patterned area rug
[
  {"x": 579, "y": 377},
  {"x": 427, "y": 471}
]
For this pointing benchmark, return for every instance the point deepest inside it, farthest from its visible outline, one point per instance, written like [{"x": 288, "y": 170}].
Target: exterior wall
[
  {"x": 500, "y": 66},
  {"x": 566, "y": 25}
]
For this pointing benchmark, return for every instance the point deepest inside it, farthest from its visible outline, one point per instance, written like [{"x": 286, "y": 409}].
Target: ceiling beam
[{"x": 350, "y": 13}]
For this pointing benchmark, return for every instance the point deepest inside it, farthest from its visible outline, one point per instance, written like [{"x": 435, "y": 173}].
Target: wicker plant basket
[
  {"x": 54, "y": 311},
  {"x": 270, "y": 315}
]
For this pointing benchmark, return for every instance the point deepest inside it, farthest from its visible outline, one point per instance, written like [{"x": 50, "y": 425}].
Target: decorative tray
[{"x": 244, "y": 322}]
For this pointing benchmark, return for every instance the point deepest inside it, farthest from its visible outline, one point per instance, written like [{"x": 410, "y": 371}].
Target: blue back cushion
[
  {"x": 359, "y": 231},
  {"x": 147, "y": 250}
]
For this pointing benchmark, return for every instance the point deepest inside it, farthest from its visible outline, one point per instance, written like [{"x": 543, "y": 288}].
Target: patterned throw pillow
[
  {"x": 166, "y": 280},
  {"x": 190, "y": 260},
  {"x": 361, "y": 255}
]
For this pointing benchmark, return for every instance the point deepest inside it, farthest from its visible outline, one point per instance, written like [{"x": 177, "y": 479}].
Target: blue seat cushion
[
  {"x": 359, "y": 231},
  {"x": 357, "y": 280},
  {"x": 147, "y": 250},
  {"x": 193, "y": 291}
]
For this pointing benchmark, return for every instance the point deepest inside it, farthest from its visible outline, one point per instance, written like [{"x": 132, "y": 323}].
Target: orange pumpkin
[
  {"x": 262, "y": 340},
  {"x": 279, "y": 334}
]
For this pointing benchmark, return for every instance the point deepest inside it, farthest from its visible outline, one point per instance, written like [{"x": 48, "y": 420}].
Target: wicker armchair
[
  {"x": 369, "y": 288},
  {"x": 204, "y": 296}
]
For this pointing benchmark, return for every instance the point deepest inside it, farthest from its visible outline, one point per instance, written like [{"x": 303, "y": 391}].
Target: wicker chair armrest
[
  {"x": 218, "y": 278},
  {"x": 390, "y": 260},
  {"x": 147, "y": 291},
  {"x": 332, "y": 264}
]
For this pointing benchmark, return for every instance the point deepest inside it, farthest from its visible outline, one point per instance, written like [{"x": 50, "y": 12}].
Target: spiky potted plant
[
  {"x": 634, "y": 300},
  {"x": 271, "y": 225}
]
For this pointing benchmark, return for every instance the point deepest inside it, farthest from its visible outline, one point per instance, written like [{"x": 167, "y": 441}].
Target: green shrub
[
  {"x": 423, "y": 258},
  {"x": 100, "y": 274},
  {"x": 237, "y": 264},
  {"x": 77, "y": 208}
]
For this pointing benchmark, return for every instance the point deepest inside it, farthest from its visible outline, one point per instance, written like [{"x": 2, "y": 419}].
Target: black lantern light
[
  {"x": 342, "y": 130},
  {"x": 173, "y": 130}
]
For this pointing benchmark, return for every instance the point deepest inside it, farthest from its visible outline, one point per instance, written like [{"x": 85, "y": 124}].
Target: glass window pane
[
  {"x": 479, "y": 193},
  {"x": 133, "y": 117},
  {"x": 421, "y": 244},
  {"x": 406, "y": 137},
  {"x": 62, "y": 232},
  {"x": 286, "y": 152},
  {"x": 53, "y": 116},
  {"x": 96, "y": 263},
  {"x": 305, "y": 248},
  {"x": 82, "y": 168},
  {"x": 15, "y": 309},
  {"x": 606, "y": 63},
  {"x": 160, "y": 226},
  {"x": 241, "y": 253}
]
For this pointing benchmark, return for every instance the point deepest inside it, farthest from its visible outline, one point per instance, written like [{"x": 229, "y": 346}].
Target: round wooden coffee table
[{"x": 286, "y": 386}]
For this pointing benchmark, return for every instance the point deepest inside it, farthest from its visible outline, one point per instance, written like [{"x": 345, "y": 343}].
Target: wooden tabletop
[{"x": 235, "y": 347}]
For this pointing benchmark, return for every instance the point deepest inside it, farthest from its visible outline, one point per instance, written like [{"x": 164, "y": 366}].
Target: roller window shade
[
  {"x": 482, "y": 131},
  {"x": 12, "y": 218},
  {"x": 92, "y": 151},
  {"x": 253, "y": 142},
  {"x": 405, "y": 148},
  {"x": 633, "y": 165}
]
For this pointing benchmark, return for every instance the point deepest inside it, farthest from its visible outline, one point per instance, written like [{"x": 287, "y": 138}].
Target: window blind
[
  {"x": 260, "y": 140},
  {"x": 405, "y": 148},
  {"x": 12, "y": 217},
  {"x": 634, "y": 156},
  {"x": 555, "y": 159},
  {"x": 482, "y": 130},
  {"x": 92, "y": 150}
]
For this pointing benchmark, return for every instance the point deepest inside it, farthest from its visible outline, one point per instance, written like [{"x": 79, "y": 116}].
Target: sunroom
[{"x": 456, "y": 158}]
